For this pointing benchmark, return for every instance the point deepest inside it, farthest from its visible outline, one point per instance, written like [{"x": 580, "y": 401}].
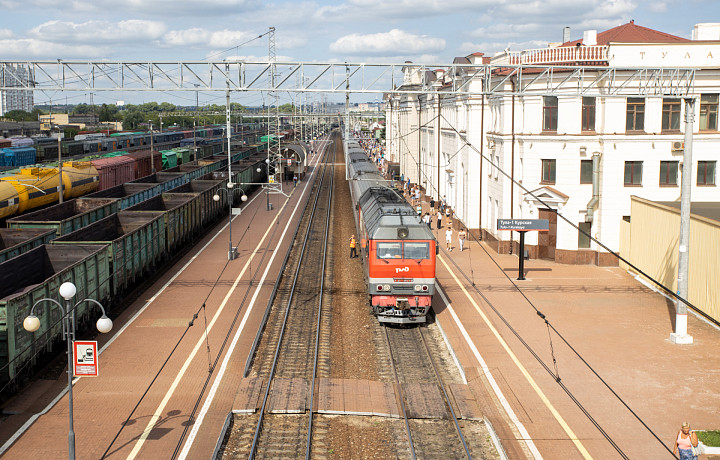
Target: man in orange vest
[{"x": 353, "y": 244}]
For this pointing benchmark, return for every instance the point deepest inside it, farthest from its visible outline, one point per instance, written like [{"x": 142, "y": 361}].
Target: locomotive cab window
[
  {"x": 417, "y": 250},
  {"x": 387, "y": 250}
]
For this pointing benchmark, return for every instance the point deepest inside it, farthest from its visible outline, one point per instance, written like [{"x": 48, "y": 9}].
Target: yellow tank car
[
  {"x": 79, "y": 178},
  {"x": 9, "y": 199},
  {"x": 36, "y": 187}
]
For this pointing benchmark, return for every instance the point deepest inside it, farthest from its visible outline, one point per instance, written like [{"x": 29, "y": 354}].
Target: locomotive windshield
[
  {"x": 398, "y": 250},
  {"x": 417, "y": 250},
  {"x": 388, "y": 250}
]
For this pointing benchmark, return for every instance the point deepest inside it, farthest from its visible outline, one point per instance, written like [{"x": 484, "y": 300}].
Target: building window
[
  {"x": 633, "y": 173},
  {"x": 588, "y": 114},
  {"x": 548, "y": 172},
  {"x": 586, "y": 170},
  {"x": 708, "y": 112},
  {"x": 635, "y": 119},
  {"x": 550, "y": 113},
  {"x": 583, "y": 238},
  {"x": 706, "y": 173},
  {"x": 671, "y": 115},
  {"x": 668, "y": 172}
]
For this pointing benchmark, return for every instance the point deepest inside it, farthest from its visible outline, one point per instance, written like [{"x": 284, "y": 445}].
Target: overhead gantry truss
[{"x": 341, "y": 78}]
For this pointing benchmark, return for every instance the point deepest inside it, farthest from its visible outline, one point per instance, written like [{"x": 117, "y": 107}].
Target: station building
[{"x": 583, "y": 156}]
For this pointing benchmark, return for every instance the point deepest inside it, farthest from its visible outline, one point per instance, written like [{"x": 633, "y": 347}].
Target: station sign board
[
  {"x": 521, "y": 225},
  {"x": 85, "y": 359}
]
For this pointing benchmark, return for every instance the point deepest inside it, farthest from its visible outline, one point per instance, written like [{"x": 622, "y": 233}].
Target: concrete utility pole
[{"x": 680, "y": 336}]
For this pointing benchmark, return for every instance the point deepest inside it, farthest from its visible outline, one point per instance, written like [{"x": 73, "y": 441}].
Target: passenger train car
[{"x": 398, "y": 249}]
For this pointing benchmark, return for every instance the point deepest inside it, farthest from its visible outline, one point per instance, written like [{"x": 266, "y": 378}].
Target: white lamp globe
[
  {"x": 267, "y": 161},
  {"x": 67, "y": 290},
  {"x": 31, "y": 323},
  {"x": 216, "y": 197},
  {"x": 243, "y": 197},
  {"x": 258, "y": 170},
  {"x": 104, "y": 324},
  {"x": 230, "y": 185}
]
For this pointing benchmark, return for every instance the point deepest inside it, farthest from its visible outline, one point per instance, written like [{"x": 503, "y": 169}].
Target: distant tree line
[{"x": 141, "y": 115}]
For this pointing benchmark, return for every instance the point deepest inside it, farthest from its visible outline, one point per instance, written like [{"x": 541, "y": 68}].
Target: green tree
[
  {"x": 167, "y": 107},
  {"x": 20, "y": 115},
  {"x": 133, "y": 118},
  {"x": 286, "y": 108},
  {"x": 108, "y": 113}
]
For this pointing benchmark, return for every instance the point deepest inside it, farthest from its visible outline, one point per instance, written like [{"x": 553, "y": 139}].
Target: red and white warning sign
[{"x": 85, "y": 362}]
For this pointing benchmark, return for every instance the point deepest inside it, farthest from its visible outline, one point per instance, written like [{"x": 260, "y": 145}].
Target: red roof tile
[{"x": 632, "y": 33}]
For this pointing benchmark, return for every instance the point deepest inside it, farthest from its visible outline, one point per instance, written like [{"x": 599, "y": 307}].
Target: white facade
[
  {"x": 481, "y": 193},
  {"x": 15, "y": 99}
]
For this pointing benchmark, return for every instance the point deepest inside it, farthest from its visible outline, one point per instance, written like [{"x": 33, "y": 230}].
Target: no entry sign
[{"x": 85, "y": 359}]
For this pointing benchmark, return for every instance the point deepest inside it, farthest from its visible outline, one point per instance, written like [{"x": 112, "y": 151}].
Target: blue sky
[{"x": 430, "y": 31}]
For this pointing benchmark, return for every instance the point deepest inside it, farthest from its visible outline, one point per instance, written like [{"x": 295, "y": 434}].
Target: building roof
[{"x": 632, "y": 33}]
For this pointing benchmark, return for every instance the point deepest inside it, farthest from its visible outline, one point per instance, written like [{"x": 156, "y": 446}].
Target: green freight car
[{"x": 38, "y": 274}]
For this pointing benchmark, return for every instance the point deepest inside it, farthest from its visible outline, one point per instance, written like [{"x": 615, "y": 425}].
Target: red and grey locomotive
[{"x": 398, "y": 249}]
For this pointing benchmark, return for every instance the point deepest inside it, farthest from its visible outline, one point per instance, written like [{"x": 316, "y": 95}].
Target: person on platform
[
  {"x": 439, "y": 220},
  {"x": 461, "y": 238},
  {"x": 427, "y": 219},
  {"x": 353, "y": 246},
  {"x": 448, "y": 238},
  {"x": 684, "y": 443},
  {"x": 295, "y": 179}
]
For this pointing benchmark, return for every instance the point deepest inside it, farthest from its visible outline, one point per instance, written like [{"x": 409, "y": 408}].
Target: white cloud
[
  {"x": 168, "y": 8},
  {"x": 397, "y": 9},
  {"x": 103, "y": 31},
  {"x": 393, "y": 43},
  {"x": 659, "y": 7},
  {"x": 5, "y": 33},
  {"x": 196, "y": 36},
  {"x": 490, "y": 48},
  {"x": 24, "y": 48}
]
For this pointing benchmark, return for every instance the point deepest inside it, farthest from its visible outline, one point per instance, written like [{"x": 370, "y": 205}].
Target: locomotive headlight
[
  {"x": 386, "y": 287},
  {"x": 402, "y": 233},
  {"x": 418, "y": 287}
]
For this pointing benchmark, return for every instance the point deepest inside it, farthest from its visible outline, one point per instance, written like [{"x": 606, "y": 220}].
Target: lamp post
[
  {"x": 216, "y": 197},
  {"x": 104, "y": 324},
  {"x": 267, "y": 187}
]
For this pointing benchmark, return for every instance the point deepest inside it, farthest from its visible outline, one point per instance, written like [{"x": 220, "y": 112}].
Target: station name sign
[{"x": 538, "y": 225}]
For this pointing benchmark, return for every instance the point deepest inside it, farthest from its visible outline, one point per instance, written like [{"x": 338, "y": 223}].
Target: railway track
[
  {"x": 415, "y": 369},
  {"x": 295, "y": 342}
]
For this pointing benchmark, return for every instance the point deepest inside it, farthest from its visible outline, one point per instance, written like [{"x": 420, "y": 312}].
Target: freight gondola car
[{"x": 398, "y": 249}]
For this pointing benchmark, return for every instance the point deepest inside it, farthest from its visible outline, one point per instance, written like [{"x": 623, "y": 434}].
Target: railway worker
[
  {"x": 353, "y": 246},
  {"x": 461, "y": 238},
  {"x": 448, "y": 238}
]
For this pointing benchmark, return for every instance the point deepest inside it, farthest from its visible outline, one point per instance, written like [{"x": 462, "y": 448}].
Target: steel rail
[
  {"x": 402, "y": 399},
  {"x": 320, "y": 305},
  {"x": 445, "y": 394},
  {"x": 258, "y": 428}
]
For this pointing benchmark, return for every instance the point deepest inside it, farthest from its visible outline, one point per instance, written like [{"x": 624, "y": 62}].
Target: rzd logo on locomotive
[{"x": 402, "y": 269}]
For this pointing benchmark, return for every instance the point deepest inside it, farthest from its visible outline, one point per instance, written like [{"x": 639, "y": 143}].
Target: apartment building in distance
[
  {"x": 15, "y": 99},
  {"x": 598, "y": 120}
]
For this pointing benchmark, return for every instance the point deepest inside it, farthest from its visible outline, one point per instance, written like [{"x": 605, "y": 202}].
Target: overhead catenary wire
[{"x": 544, "y": 318}]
